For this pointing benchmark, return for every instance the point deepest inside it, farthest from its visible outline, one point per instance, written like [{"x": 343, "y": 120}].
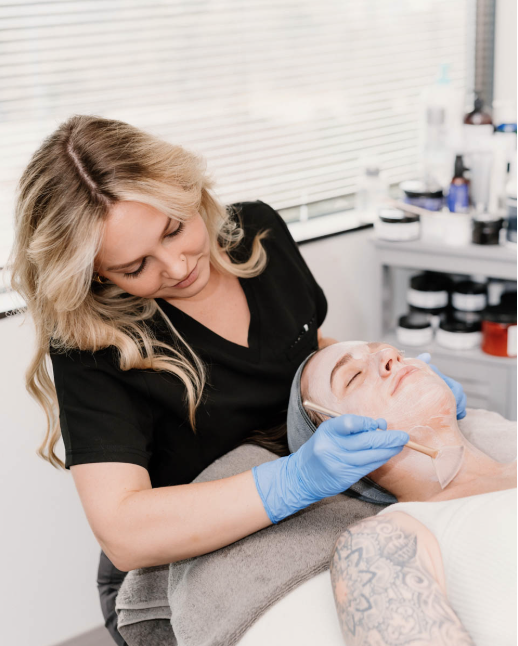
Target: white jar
[
  {"x": 397, "y": 225},
  {"x": 414, "y": 330},
  {"x": 469, "y": 296},
  {"x": 458, "y": 335}
]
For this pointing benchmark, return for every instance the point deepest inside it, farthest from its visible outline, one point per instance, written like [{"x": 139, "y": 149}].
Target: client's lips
[{"x": 404, "y": 372}]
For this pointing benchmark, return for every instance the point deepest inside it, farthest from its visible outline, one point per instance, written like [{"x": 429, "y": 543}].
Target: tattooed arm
[{"x": 389, "y": 586}]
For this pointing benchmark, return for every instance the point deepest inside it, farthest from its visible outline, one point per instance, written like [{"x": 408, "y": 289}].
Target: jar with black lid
[
  {"x": 418, "y": 193},
  {"x": 414, "y": 329},
  {"x": 458, "y": 335},
  {"x": 486, "y": 230},
  {"x": 428, "y": 294},
  {"x": 397, "y": 225},
  {"x": 468, "y": 299}
]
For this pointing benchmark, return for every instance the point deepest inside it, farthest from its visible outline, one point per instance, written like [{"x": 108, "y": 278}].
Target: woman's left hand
[{"x": 456, "y": 388}]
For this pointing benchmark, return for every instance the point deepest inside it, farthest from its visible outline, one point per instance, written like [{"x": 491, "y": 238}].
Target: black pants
[{"x": 109, "y": 580}]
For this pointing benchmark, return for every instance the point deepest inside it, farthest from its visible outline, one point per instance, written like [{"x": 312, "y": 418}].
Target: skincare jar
[
  {"x": 396, "y": 225},
  {"x": 419, "y": 194},
  {"x": 458, "y": 335},
  {"x": 469, "y": 296},
  {"x": 429, "y": 293},
  {"x": 499, "y": 328},
  {"x": 486, "y": 229},
  {"x": 414, "y": 329}
]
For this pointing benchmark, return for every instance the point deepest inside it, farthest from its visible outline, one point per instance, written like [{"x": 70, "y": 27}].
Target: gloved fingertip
[
  {"x": 461, "y": 415},
  {"x": 381, "y": 424},
  {"x": 425, "y": 356},
  {"x": 400, "y": 438}
]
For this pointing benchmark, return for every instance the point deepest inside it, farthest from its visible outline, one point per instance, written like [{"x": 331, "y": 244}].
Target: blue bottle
[{"x": 458, "y": 196}]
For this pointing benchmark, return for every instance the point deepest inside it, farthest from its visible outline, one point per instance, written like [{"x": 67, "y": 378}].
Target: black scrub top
[{"x": 140, "y": 416}]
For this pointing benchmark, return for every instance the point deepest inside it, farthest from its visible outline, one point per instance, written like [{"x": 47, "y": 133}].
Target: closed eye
[
  {"x": 358, "y": 373},
  {"x": 136, "y": 273}
]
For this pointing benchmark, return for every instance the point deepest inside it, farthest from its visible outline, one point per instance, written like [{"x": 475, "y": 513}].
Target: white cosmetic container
[
  {"x": 458, "y": 335},
  {"x": 397, "y": 225},
  {"x": 469, "y": 296},
  {"x": 414, "y": 330},
  {"x": 428, "y": 292}
]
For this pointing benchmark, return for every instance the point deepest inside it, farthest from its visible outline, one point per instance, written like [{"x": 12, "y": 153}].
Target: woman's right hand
[{"x": 342, "y": 451}]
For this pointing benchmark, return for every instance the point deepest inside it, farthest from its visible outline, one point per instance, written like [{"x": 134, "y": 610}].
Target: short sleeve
[
  {"x": 104, "y": 412},
  {"x": 321, "y": 301}
]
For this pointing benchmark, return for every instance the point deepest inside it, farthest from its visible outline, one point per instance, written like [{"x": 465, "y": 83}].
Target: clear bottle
[
  {"x": 372, "y": 190},
  {"x": 440, "y": 130}
]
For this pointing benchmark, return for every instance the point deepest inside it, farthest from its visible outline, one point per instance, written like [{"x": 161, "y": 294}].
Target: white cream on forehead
[{"x": 319, "y": 389}]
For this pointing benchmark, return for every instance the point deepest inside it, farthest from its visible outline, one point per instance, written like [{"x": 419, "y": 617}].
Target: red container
[
  {"x": 499, "y": 327},
  {"x": 499, "y": 339}
]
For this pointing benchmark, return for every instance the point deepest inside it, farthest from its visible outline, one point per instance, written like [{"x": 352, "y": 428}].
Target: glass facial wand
[{"x": 330, "y": 413}]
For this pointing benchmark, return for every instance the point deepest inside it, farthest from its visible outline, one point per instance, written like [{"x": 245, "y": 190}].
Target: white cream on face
[{"x": 368, "y": 383}]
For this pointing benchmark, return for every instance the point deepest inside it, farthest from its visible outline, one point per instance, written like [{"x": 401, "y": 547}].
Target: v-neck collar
[{"x": 204, "y": 337}]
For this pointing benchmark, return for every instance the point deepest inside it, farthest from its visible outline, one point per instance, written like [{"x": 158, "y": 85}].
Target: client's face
[{"x": 375, "y": 380}]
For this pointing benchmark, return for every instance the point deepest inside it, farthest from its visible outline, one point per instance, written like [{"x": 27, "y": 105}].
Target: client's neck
[{"x": 414, "y": 478}]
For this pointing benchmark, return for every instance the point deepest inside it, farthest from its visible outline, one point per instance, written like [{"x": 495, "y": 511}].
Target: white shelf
[
  {"x": 437, "y": 350},
  {"x": 495, "y": 261}
]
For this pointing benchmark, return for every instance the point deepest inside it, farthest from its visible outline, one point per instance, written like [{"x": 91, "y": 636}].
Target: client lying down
[{"x": 439, "y": 567}]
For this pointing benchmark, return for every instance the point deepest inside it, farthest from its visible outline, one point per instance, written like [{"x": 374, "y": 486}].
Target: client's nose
[{"x": 388, "y": 359}]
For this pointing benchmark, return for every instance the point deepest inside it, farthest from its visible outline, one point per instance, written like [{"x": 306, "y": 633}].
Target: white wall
[
  {"x": 342, "y": 265},
  {"x": 505, "y": 52},
  {"x": 49, "y": 555}
]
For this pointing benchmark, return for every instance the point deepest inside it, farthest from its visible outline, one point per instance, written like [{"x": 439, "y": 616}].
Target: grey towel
[
  {"x": 213, "y": 599},
  {"x": 216, "y": 597}
]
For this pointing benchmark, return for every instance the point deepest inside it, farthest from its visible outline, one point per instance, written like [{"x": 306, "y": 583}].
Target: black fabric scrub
[{"x": 140, "y": 417}]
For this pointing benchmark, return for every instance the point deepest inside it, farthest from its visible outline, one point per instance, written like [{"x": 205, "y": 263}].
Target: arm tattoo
[{"x": 385, "y": 594}]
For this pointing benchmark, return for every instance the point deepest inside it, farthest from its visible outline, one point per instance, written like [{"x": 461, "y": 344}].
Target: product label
[
  {"x": 468, "y": 302},
  {"x": 511, "y": 341},
  {"x": 427, "y": 300},
  {"x": 458, "y": 198}
]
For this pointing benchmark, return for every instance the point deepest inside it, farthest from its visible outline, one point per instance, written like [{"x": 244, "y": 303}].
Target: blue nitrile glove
[
  {"x": 456, "y": 388},
  {"x": 340, "y": 452}
]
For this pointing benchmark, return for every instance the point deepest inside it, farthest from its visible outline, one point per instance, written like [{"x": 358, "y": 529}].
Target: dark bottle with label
[{"x": 478, "y": 117}]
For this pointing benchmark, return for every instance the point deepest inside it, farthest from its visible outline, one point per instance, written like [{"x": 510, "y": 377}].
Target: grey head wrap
[{"x": 301, "y": 428}]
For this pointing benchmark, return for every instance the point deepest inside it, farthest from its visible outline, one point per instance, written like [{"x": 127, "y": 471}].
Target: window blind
[{"x": 281, "y": 97}]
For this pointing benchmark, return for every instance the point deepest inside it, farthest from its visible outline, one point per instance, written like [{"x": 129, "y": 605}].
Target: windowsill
[
  {"x": 311, "y": 230},
  {"x": 325, "y": 226}
]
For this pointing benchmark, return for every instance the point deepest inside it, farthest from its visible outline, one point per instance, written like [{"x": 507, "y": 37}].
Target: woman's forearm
[{"x": 167, "y": 524}]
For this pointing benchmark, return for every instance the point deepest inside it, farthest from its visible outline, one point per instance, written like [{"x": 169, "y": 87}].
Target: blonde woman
[{"x": 175, "y": 326}]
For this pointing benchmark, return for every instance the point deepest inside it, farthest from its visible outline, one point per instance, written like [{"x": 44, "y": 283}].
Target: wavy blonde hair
[{"x": 63, "y": 199}]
